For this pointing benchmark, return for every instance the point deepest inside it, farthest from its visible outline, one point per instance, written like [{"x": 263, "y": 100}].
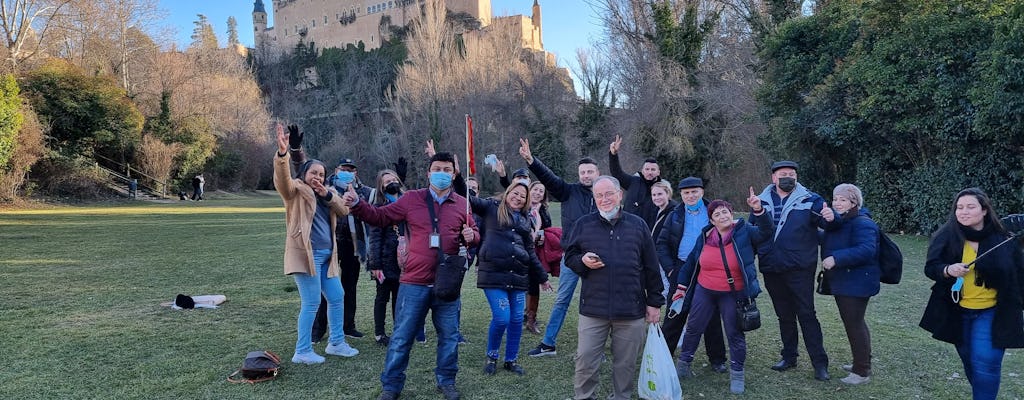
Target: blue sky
[{"x": 568, "y": 24}]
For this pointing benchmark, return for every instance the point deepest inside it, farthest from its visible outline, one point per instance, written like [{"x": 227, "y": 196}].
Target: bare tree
[{"x": 25, "y": 24}]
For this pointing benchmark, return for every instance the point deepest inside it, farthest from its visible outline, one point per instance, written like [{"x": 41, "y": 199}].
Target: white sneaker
[
  {"x": 307, "y": 358},
  {"x": 854, "y": 379},
  {"x": 342, "y": 349}
]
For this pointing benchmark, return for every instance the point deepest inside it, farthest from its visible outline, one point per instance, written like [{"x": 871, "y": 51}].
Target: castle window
[
  {"x": 313, "y": 22},
  {"x": 325, "y": 20},
  {"x": 391, "y": 4}
]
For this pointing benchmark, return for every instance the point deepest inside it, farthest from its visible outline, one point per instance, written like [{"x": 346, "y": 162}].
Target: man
[
  {"x": 788, "y": 263},
  {"x": 415, "y": 293},
  {"x": 637, "y": 186},
  {"x": 614, "y": 256},
  {"x": 674, "y": 244},
  {"x": 197, "y": 187},
  {"x": 577, "y": 200}
]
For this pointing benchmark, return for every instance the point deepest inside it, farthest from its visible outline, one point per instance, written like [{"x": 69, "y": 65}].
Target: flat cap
[
  {"x": 785, "y": 164},
  {"x": 521, "y": 172},
  {"x": 691, "y": 181}
]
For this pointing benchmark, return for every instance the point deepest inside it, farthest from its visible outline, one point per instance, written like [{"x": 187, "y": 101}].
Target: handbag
[
  {"x": 658, "y": 378},
  {"x": 451, "y": 269},
  {"x": 748, "y": 317},
  {"x": 258, "y": 366},
  {"x": 823, "y": 286}
]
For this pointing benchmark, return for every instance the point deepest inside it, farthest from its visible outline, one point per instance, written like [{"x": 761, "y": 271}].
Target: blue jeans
[
  {"x": 413, "y": 303},
  {"x": 310, "y": 288},
  {"x": 567, "y": 281},
  {"x": 507, "y": 308},
  {"x": 982, "y": 363}
]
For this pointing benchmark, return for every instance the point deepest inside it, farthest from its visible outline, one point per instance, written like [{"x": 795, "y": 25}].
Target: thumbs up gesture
[
  {"x": 350, "y": 196},
  {"x": 754, "y": 202},
  {"x": 827, "y": 213}
]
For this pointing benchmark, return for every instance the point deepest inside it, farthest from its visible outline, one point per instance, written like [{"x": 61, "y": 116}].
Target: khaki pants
[{"x": 627, "y": 338}]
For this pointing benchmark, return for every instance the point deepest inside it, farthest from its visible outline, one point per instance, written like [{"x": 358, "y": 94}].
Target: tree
[
  {"x": 203, "y": 36},
  {"x": 10, "y": 117},
  {"x": 232, "y": 31},
  {"x": 25, "y": 24}
]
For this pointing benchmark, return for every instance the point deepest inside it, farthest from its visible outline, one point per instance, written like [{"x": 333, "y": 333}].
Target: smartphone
[
  {"x": 597, "y": 258},
  {"x": 491, "y": 160}
]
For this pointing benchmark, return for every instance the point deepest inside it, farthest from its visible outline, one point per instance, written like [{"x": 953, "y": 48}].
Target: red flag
[{"x": 469, "y": 145}]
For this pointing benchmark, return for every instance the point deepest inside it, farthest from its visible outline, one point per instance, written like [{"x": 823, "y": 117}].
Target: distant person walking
[{"x": 197, "y": 187}]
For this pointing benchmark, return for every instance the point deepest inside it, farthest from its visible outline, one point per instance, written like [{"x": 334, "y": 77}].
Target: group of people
[{"x": 626, "y": 242}]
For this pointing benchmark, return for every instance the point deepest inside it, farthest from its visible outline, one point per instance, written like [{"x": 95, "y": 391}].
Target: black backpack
[{"x": 890, "y": 259}]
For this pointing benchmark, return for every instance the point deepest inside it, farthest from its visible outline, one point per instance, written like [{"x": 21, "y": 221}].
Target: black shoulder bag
[
  {"x": 748, "y": 317},
  {"x": 450, "y": 269}
]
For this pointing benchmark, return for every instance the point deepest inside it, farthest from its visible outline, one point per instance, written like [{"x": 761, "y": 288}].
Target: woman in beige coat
[{"x": 310, "y": 253}]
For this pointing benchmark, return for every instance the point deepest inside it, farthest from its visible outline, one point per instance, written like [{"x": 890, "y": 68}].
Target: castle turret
[
  {"x": 536, "y": 23},
  {"x": 259, "y": 22}
]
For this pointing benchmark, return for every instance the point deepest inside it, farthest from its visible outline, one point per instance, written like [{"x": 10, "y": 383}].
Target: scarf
[
  {"x": 716, "y": 239},
  {"x": 988, "y": 266}
]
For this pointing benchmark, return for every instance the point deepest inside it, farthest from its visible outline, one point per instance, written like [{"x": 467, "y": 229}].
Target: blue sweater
[{"x": 852, "y": 240}]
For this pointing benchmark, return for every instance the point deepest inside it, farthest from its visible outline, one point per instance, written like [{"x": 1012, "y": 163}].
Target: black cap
[
  {"x": 690, "y": 182},
  {"x": 347, "y": 162},
  {"x": 521, "y": 172},
  {"x": 785, "y": 164}
]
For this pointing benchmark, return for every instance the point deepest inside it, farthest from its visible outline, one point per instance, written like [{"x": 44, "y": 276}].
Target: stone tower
[
  {"x": 259, "y": 23},
  {"x": 536, "y": 22}
]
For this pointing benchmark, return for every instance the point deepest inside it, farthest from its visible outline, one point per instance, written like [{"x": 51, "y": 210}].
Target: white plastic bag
[{"x": 658, "y": 379}]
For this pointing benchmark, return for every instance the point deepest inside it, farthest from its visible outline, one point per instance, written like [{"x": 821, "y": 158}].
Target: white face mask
[{"x": 610, "y": 214}]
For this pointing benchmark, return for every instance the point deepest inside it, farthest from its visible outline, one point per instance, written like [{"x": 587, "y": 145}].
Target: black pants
[
  {"x": 714, "y": 339},
  {"x": 386, "y": 291},
  {"x": 792, "y": 294},
  {"x": 851, "y": 310}
]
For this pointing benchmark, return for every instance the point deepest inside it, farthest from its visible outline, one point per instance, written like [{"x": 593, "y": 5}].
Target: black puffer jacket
[
  {"x": 383, "y": 247},
  {"x": 507, "y": 257},
  {"x": 637, "y": 190},
  {"x": 577, "y": 200}
]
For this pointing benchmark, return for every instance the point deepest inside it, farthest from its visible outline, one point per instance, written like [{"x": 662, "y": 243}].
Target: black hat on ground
[
  {"x": 691, "y": 182},
  {"x": 785, "y": 164},
  {"x": 347, "y": 162},
  {"x": 521, "y": 172}
]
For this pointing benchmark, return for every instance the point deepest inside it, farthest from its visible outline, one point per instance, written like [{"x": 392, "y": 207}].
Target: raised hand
[
  {"x": 827, "y": 212},
  {"x": 430, "y": 148},
  {"x": 524, "y": 150},
  {"x": 499, "y": 167},
  {"x": 614, "y": 146},
  {"x": 282, "y": 139},
  {"x": 401, "y": 167},
  {"x": 350, "y": 196},
  {"x": 294, "y": 137},
  {"x": 754, "y": 202}
]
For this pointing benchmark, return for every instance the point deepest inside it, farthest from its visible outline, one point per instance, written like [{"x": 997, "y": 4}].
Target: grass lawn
[{"x": 80, "y": 289}]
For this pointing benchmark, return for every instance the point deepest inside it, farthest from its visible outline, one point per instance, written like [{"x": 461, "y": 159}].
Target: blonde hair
[
  {"x": 851, "y": 193},
  {"x": 664, "y": 185},
  {"x": 504, "y": 212}
]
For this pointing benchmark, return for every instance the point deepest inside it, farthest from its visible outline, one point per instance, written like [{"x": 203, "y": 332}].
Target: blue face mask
[
  {"x": 343, "y": 178},
  {"x": 440, "y": 180},
  {"x": 391, "y": 198}
]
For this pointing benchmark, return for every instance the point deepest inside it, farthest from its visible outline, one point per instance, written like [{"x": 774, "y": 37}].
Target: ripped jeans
[{"x": 507, "y": 308}]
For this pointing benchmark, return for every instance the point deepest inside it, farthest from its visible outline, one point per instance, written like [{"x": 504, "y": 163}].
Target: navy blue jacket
[
  {"x": 668, "y": 240},
  {"x": 852, "y": 240},
  {"x": 577, "y": 200},
  {"x": 507, "y": 258},
  {"x": 630, "y": 281},
  {"x": 745, "y": 238},
  {"x": 795, "y": 243}
]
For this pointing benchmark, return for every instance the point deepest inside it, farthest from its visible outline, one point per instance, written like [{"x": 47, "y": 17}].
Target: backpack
[
  {"x": 259, "y": 366},
  {"x": 890, "y": 259}
]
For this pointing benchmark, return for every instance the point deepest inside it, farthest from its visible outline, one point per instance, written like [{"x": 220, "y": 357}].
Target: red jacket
[
  {"x": 412, "y": 209},
  {"x": 550, "y": 254}
]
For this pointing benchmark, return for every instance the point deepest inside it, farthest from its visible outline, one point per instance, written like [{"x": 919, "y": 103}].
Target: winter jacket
[
  {"x": 942, "y": 317},
  {"x": 630, "y": 281},
  {"x": 577, "y": 200},
  {"x": 299, "y": 208},
  {"x": 667, "y": 242},
  {"x": 795, "y": 243},
  {"x": 412, "y": 209},
  {"x": 659, "y": 220},
  {"x": 852, "y": 240},
  {"x": 507, "y": 257},
  {"x": 348, "y": 240},
  {"x": 550, "y": 252},
  {"x": 382, "y": 251},
  {"x": 745, "y": 239},
  {"x": 637, "y": 196}
]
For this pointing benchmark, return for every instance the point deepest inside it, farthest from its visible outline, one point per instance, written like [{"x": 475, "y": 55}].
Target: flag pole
[{"x": 469, "y": 160}]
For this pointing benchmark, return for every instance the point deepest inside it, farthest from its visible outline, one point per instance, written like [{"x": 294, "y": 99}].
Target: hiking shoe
[
  {"x": 854, "y": 379},
  {"x": 542, "y": 350},
  {"x": 491, "y": 367},
  {"x": 719, "y": 368},
  {"x": 382, "y": 340},
  {"x": 683, "y": 369},
  {"x": 354, "y": 334},
  {"x": 449, "y": 392},
  {"x": 341, "y": 349},
  {"x": 514, "y": 367},
  {"x": 307, "y": 358},
  {"x": 388, "y": 395}
]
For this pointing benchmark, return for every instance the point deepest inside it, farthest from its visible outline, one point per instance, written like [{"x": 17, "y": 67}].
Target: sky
[{"x": 567, "y": 24}]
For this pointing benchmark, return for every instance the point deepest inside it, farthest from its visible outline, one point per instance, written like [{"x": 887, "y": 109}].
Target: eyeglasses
[{"x": 600, "y": 196}]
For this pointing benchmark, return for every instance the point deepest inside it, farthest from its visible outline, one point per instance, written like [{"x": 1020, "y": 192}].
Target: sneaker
[
  {"x": 341, "y": 349},
  {"x": 382, "y": 340},
  {"x": 354, "y": 334},
  {"x": 514, "y": 367},
  {"x": 491, "y": 366},
  {"x": 462, "y": 339},
  {"x": 421, "y": 337},
  {"x": 449, "y": 392},
  {"x": 542, "y": 350},
  {"x": 719, "y": 368},
  {"x": 854, "y": 379},
  {"x": 307, "y": 358},
  {"x": 847, "y": 367},
  {"x": 388, "y": 395}
]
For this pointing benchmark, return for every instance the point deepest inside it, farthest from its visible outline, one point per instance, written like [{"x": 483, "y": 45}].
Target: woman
[
  {"x": 661, "y": 196},
  {"x": 310, "y": 254},
  {"x": 724, "y": 249},
  {"x": 382, "y": 254},
  {"x": 984, "y": 318},
  {"x": 540, "y": 220},
  {"x": 850, "y": 261},
  {"x": 506, "y": 259}
]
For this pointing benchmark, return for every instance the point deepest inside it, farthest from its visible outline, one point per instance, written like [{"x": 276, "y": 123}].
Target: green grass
[{"x": 80, "y": 289}]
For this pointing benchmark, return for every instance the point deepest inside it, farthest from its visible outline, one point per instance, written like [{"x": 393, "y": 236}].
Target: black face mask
[
  {"x": 787, "y": 184},
  {"x": 392, "y": 188}
]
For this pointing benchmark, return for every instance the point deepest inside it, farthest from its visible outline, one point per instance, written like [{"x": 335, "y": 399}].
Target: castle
[{"x": 336, "y": 23}]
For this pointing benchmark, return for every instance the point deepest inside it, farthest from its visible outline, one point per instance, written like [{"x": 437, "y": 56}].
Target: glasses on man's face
[{"x": 605, "y": 195}]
